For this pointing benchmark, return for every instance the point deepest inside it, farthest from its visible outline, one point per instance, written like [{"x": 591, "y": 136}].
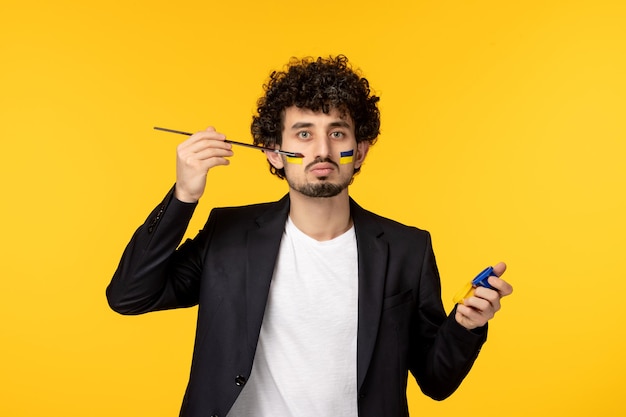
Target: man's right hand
[{"x": 194, "y": 158}]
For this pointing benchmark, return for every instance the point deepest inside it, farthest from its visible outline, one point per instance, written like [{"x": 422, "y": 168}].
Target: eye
[
  {"x": 303, "y": 134},
  {"x": 336, "y": 135}
]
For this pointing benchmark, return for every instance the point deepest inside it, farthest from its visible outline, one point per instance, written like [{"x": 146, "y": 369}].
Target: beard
[{"x": 320, "y": 190}]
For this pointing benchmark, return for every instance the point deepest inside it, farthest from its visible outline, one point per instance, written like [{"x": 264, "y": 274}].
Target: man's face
[{"x": 330, "y": 151}]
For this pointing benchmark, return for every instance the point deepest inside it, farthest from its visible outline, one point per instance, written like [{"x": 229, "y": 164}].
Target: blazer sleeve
[
  {"x": 152, "y": 273},
  {"x": 443, "y": 350}
]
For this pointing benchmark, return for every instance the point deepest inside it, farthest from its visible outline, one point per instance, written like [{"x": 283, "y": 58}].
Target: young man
[{"x": 310, "y": 305}]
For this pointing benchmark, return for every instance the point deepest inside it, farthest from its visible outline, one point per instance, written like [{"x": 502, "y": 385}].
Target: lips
[{"x": 322, "y": 169}]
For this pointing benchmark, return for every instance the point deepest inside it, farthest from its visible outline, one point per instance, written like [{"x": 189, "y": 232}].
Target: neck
[{"x": 321, "y": 218}]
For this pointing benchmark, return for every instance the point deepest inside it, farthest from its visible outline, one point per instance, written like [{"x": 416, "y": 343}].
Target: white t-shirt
[{"x": 305, "y": 362}]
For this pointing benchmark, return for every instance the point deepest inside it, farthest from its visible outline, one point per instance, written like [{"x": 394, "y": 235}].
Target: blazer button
[{"x": 240, "y": 381}]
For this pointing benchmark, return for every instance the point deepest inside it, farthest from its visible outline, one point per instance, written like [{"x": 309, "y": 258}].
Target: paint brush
[{"x": 247, "y": 145}]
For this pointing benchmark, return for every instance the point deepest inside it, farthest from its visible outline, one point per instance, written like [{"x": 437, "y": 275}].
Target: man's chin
[{"x": 320, "y": 190}]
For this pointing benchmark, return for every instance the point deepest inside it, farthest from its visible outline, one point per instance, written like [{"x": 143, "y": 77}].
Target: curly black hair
[{"x": 320, "y": 84}]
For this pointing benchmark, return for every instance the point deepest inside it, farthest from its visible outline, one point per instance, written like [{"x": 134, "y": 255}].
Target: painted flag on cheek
[
  {"x": 293, "y": 160},
  {"x": 346, "y": 157}
]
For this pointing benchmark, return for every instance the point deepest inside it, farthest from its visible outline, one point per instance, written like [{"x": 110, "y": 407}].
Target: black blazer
[{"x": 227, "y": 268}]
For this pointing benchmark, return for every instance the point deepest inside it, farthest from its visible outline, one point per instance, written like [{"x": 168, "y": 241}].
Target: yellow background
[{"x": 503, "y": 134}]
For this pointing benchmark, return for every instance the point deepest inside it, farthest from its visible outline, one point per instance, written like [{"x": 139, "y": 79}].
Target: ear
[
  {"x": 361, "y": 152},
  {"x": 275, "y": 159}
]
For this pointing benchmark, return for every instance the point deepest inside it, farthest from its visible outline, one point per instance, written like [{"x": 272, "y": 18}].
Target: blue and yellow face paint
[
  {"x": 294, "y": 159},
  {"x": 346, "y": 157}
]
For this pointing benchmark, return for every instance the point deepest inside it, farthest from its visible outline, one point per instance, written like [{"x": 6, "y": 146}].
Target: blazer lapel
[
  {"x": 262, "y": 250},
  {"x": 373, "y": 252}
]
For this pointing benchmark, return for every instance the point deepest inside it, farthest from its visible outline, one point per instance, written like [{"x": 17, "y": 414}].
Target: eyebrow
[{"x": 338, "y": 123}]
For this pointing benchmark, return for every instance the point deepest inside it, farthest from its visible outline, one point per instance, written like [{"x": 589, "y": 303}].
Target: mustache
[{"x": 319, "y": 159}]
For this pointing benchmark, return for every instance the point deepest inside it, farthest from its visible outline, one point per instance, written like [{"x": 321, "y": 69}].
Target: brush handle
[{"x": 247, "y": 145}]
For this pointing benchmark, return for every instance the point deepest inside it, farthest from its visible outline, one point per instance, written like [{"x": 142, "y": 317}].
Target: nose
[{"x": 322, "y": 147}]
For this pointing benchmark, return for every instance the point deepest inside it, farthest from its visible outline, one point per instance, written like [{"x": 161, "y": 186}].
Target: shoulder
[
  {"x": 365, "y": 219},
  {"x": 246, "y": 209},
  {"x": 258, "y": 212}
]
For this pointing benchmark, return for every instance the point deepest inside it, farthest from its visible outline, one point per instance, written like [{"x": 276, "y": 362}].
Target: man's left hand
[{"x": 477, "y": 310}]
